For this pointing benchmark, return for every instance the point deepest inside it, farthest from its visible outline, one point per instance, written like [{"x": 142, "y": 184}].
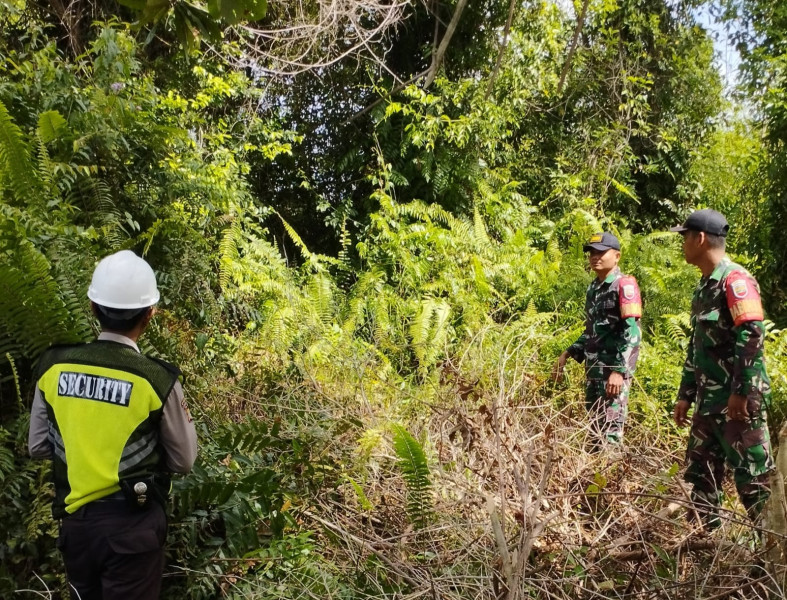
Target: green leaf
[
  {"x": 233, "y": 12},
  {"x": 256, "y": 9},
  {"x": 362, "y": 499},
  {"x": 51, "y": 126},
  {"x": 138, "y": 5},
  {"x": 415, "y": 470}
]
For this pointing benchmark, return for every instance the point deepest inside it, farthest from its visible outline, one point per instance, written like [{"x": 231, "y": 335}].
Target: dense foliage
[{"x": 367, "y": 270}]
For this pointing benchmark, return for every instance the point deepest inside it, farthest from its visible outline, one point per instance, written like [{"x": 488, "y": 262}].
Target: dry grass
[{"x": 522, "y": 510}]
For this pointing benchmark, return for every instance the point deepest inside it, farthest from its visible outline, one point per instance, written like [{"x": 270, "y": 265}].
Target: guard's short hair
[
  {"x": 121, "y": 320},
  {"x": 716, "y": 242}
]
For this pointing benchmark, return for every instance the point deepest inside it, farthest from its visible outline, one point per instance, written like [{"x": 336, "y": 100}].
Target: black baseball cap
[
  {"x": 602, "y": 241},
  {"x": 707, "y": 220}
]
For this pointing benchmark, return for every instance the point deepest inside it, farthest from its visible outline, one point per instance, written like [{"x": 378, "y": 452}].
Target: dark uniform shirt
[
  {"x": 725, "y": 354},
  {"x": 612, "y": 336}
]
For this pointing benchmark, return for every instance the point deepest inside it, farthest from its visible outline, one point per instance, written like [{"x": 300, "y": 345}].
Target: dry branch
[{"x": 313, "y": 36}]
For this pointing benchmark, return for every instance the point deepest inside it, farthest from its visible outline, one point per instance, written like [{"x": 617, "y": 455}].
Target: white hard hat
[{"x": 123, "y": 280}]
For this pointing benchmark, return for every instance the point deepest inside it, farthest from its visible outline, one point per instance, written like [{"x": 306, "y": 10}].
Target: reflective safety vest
[{"x": 104, "y": 402}]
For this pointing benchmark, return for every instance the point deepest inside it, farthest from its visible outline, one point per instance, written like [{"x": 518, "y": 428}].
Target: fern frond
[
  {"x": 16, "y": 165},
  {"x": 316, "y": 260},
  {"x": 32, "y": 312},
  {"x": 319, "y": 294},
  {"x": 429, "y": 331},
  {"x": 677, "y": 325},
  {"x": 51, "y": 126},
  {"x": 415, "y": 470},
  {"x": 531, "y": 312},
  {"x": 228, "y": 253},
  {"x": 479, "y": 228}
]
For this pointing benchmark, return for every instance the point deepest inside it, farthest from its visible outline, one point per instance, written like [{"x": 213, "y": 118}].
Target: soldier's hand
[
  {"x": 614, "y": 384},
  {"x": 736, "y": 408},
  {"x": 680, "y": 412},
  {"x": 557, "y": 371}
]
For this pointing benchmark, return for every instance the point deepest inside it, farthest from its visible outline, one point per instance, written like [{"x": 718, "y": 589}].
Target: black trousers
[{"x": 113, "y": 552}]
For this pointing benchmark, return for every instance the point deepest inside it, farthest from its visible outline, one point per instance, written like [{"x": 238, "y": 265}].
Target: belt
[
  {"x": 117, "y": 496},
  {"x": 112, "y": 504}
]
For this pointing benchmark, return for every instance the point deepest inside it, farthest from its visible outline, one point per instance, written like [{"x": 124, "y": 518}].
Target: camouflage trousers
[
  {"x": 607, "y": 415},
  {"x": 746, "y": 448}
]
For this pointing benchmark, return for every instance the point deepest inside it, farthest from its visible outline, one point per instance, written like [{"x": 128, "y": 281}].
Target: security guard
[
  {"x": 724, "y": 375},
  {"x": 115, "y": 423},
  {"x": 609, "y": 346}
]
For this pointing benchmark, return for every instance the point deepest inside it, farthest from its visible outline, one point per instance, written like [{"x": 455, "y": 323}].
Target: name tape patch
[{"x": 94, "y": 387}]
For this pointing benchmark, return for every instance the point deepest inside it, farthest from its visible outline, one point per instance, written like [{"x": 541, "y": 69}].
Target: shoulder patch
[
  {"x": 630, "y": 299},
  {"x": 743, "y": 297}
]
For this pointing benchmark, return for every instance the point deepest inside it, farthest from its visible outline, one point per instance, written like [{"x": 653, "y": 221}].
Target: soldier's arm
[
  {"x": 577, "y": 349},
  {"x": 626, "y": 345},
  {"x": 688, "y": 384},
  {"x": 629, "y": 335},
  {"x": 743, "y": 300},
  {"x": 747, "y": 365}
]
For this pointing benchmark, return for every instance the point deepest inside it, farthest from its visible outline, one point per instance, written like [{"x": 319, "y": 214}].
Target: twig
[
  {"x": 502, "y": 51},
  {"x": 572, "y": 46},
  {"x": 437, "y": 56}
]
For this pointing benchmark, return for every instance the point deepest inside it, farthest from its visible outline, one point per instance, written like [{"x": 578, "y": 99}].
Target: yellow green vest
[{"x": 104, "y": 402}]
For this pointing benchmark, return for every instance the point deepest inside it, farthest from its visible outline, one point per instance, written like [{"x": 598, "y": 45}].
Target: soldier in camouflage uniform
[
  {"x": 724, "y": 375},
  {"x": 609, "y": 346}
]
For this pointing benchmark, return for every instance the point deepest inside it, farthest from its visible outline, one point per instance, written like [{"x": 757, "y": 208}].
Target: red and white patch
[
  {"x": 743, "y": 298},
  {"x": 630, "y": 300},
  {"x": 739, "y": 288}
]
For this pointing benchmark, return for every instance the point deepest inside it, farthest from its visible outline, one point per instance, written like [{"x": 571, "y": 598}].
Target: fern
[
  {"x": 98, "y": 199},
  {"x": 363, "y": 501},
  {"x": 51, "y": 126},
  {"x": 315, "y": 260},
  {"x": 415, "y": 470},
  {"x": 32, "y": 312},
  {"x": 15, "y": 377},
  {"x": 320, "y": 297},
  {"x": 429, "y": 331},
  {"x": 479, "y": 229},
  {"x": 228, "y": 253},
  {"x": 531, "y": 312},
  {"x": 677, "y": 325},
  {"x": 16, "y": 165}
]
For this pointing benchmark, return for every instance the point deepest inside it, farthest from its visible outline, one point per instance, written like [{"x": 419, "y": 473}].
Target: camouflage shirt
[
  {"x": 725, "y": 352},
  {"x": 612, "y": 336}
]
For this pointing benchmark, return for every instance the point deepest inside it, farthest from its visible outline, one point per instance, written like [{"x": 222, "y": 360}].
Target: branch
[
  {"x": 690, "y": 545},
  {"x": 503, "y": 46},
  {"x": 573, "y": 46},
  {"x": 437, "y": 57}
]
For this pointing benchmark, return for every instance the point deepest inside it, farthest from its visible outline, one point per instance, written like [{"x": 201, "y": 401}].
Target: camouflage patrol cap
[
  {"x": 602, "y": 241},
  {"x": 707, "y": 220}
]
